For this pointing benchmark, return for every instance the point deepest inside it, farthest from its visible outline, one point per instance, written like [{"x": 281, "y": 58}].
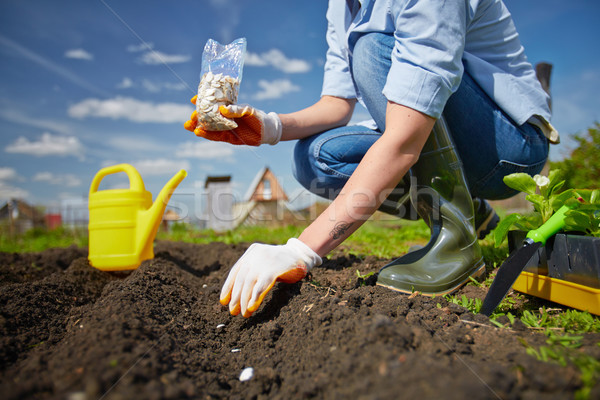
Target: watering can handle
[{"x": 135, "y": 180}]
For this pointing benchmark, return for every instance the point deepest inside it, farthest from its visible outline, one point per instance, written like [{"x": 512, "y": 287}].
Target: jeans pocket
[{"x": 492, "y": 186}]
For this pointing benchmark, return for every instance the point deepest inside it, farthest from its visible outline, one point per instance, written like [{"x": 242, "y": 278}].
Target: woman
[{"x": 456, "y": 106}]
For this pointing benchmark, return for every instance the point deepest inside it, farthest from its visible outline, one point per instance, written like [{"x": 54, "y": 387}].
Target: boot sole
[{"x": 480, "y": 271}]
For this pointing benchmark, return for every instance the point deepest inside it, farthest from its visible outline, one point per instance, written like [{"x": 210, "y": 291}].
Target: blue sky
[{"x": 86, "y": 84}]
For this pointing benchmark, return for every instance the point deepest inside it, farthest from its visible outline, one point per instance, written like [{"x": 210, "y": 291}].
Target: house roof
[
  {"x": 255, "y": 182},
  {"x": 256, "y": 190},
  {"x": 215, "y": 179}
]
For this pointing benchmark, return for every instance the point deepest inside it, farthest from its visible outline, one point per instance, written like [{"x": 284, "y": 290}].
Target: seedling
[
  {"x": 362, "y": 279},
  {"x": 563, "y": 349},
  {"x": 545, "y": 194},
  {"x": 365, "y": 276}
]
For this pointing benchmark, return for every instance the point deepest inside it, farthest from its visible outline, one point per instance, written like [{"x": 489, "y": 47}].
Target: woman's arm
[
  {"x": 382, "y": 167},
  {"x": 327, "y": 113}
]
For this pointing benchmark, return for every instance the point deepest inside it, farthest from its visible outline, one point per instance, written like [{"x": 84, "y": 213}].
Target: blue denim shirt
[{"x": 435, "y": 42}]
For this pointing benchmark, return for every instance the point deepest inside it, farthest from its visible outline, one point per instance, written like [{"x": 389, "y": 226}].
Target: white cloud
[
  {"x": 152, "y": 86},
  {"x": 155, "y": 57},
  {"x": 131, "y": 109},
  {"x": 47, "y": 145},
  {"x": 136, "y": 48},
  {"x": 7, "y": 191},
  {"x": 7, "y": 173},
  {"x": 79, "y": 54},
  {"x": 11, "y": 192},
  {"x": 68, "y": 180},
  {"x": 126, "y": 83},
  {"x": 204, "y": 149},
  {"x": 160, "y": 166},
  {"x": 278, "y": 60},
  {"x": 275, "y": 89}
]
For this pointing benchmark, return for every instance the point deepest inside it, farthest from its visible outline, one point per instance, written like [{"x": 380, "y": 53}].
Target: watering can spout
[{"x": 149, "y": 220}]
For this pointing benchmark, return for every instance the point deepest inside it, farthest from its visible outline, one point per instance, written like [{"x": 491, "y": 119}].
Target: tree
[{"x": 582, "y": 169}]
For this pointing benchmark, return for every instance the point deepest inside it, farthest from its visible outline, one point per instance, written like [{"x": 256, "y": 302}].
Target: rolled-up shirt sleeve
[
  {"x": 337, "y": 80},
  {"x": 426, "y": 60}
]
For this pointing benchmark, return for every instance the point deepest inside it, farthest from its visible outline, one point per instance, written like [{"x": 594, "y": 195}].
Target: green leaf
[
  {"x": 556, "y": 177},
  {"x": 501, "y": 231},
  {"x": 560, "y": 199},
  {"x": 556, "y": 188},
  {"x": 577, "y": 221},
  {"x": 520, "y": 181},
  {"x": 529, "y": 222},
  {"x": 537, "y": 200},
  {"x": 595, "y": 197}
]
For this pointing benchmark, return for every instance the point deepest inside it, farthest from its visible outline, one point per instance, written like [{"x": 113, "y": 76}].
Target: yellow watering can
[{"x": 124, "y": 222}]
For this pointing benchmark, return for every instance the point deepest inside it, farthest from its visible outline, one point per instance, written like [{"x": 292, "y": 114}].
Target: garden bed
[{"x": 69, "y": 331}]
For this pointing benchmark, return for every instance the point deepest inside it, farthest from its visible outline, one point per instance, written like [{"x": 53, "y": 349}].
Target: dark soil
[{"x": 69, "y": 331}]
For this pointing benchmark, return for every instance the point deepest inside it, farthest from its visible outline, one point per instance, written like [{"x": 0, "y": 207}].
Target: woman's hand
[
  {"x": 256, "y": 272},
  {"x": 255, "y": 127}
]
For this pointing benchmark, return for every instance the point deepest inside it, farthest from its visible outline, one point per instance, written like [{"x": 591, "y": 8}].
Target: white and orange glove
[
  {"x": 255, "y": 127},
  {"x": 256, "y": 272}
]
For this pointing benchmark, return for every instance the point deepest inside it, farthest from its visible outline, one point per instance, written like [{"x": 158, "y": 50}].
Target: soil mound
[{"x": 69, "y": 331}]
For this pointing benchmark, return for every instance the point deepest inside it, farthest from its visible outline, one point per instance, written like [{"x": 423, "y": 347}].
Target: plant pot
[{"x": 566, "y": 270}]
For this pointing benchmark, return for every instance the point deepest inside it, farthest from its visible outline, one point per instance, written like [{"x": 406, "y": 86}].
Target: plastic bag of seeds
[{"x": 220, "y": 78}]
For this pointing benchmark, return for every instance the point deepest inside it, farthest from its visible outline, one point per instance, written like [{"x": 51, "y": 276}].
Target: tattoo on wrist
[{"x": 339, "y": 229}]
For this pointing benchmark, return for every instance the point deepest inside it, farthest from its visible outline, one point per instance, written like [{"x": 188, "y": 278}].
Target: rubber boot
[
  {"x": 440, "y": 195},
  {"x": 486, "y": 218},
  {"x": 398, "y": 202}
]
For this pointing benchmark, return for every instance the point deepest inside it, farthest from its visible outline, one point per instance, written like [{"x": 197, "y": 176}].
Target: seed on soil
[
  {"x": 235, "y": 350},
  {"x": 220, "y": 326},
  {"x": 246, "y": 374}
]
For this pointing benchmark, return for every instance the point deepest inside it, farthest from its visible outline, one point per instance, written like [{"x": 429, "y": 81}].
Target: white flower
[{"x": 541, "y": 180}]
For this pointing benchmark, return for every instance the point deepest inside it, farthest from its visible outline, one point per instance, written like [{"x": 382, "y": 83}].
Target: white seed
[
  {"x": 246, "y": 374},
  {"x": 214, "y": 91}
]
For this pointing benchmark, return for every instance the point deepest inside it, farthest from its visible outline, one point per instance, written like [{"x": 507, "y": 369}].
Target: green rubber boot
[
  {"x": 398, "y": 202},
  {"x": 440, "y": 195}
]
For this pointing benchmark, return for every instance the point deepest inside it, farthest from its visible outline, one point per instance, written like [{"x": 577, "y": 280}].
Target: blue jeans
[{"x": 489, "y": 144}]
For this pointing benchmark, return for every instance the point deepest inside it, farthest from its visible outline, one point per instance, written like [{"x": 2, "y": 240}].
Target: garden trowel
[{"x": 511, "y": 268}]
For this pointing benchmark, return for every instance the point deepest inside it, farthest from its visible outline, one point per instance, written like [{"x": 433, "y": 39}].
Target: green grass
[
  {"x": 384, "y": 239},
  {"x": 42, "y": 239}
]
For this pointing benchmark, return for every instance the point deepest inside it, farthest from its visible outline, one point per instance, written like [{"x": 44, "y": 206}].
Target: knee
[
  {"x": 367, "y": 44},
  {"x": 371, "y": 49},
  {"x": 313, "y": 170},
  {"x": 303, "y": 161}
]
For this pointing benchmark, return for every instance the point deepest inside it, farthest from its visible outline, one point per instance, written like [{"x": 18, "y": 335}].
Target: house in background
[
  {"x": 170, "y": 217},
  {"x": 17, "y": 217},
  {"x": 265, "y": 202},
  {"x": 219, "y": 203}
]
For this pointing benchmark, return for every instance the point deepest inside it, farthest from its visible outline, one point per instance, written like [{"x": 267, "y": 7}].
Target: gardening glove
[
  {"x": 256, "y": 272},
  {"x": 255, "y": 127}
]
